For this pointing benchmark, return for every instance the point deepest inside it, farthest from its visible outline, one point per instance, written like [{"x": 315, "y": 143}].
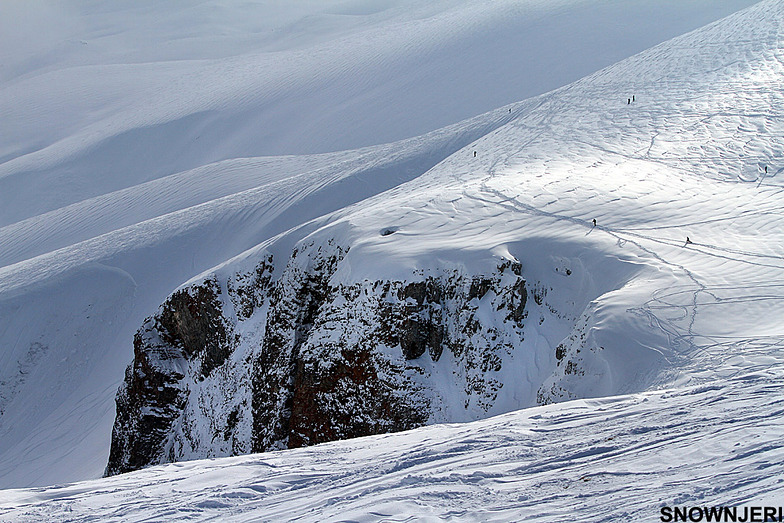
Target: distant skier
[
  {"x": 632, "y": 98},
  {"x": 688, "y": 241},
  {"x": 766, "y": 169},
  {"x": 628, "y": 101},
  {"x": 594, "y": 222},
  {"x": 474, "y": 154}
]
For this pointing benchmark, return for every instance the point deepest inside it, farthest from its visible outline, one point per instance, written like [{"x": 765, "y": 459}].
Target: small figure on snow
[
  {"x": 632, "y": 98},
  {"x": 594, "y": 222},
  {"x": 688, "y": 241},
  {"x": 766, "y": 169},
  {"x": 628, "y": 101},
  {"x": 474, "y": 154}
]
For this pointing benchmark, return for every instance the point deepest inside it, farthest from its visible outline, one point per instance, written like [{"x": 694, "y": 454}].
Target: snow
[
  {"x": 142, "y": 93},
  {"x": 609, "y": 459},
  {"x": 162, "y": 141}
]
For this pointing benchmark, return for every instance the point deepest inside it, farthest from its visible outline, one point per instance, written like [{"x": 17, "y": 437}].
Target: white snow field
[
  {"x": 124, "y": 174},
  {"x": 135, "y": 142},
  {"x": 610, "y": 459}
]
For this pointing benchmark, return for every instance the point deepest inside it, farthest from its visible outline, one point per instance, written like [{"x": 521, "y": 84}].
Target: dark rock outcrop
[
  {"x": 314, "y": 360},
  {"x": 189, "y": 334}
]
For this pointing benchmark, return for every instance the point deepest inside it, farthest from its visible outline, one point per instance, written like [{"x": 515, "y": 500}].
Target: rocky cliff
[{"x": 275, "y": 356}]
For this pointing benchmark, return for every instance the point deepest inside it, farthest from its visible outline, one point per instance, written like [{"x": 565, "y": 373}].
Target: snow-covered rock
[{"x": 246, "y": 363}]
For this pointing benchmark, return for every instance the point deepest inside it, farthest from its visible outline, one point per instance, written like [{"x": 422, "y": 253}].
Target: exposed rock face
[
  {"x": 189, "y": 334},
  {"x": 257, "y": 363}
]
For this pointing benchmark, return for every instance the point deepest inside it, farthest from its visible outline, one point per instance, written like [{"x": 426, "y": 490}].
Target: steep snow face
[
  {"x": 621, "y": 305},
  {"x": 88, "y": 251}
]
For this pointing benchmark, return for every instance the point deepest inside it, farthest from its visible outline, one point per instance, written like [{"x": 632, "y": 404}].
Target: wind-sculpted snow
[
  {"x": 114, "y": 97},
  {"x": 610, "y": 459},
  {"x": 621, "y": 305},
  {"x": 126, "y": 176}
]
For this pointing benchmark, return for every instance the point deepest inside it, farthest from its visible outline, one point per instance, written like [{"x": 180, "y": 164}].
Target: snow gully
[{"x": 734, "y": 514}]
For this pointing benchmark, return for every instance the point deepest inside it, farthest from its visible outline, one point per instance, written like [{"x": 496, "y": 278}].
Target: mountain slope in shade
[{"x": 116, "y": 95}]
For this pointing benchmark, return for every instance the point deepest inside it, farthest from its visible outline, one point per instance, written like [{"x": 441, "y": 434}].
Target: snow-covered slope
[
  {"x": 420, "y": 295},
  {"x": 88, "y": 254},
  {"x": 611, "y": 459},
  {"x": 113, "y": 95}
]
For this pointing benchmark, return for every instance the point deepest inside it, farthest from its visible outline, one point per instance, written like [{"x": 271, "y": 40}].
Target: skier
[
  {"x": 474, "y": 154},
  {"x": 688, "y": 241},
  {"x": 632, "y": 98},
  {"x": 628, "y": 101},
  {"x": 594, "y": 222},
  {"x": 766, "y": 169}
]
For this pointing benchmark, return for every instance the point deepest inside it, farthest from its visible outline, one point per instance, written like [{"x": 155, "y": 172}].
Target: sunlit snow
[{"x": 141, "y": 145}]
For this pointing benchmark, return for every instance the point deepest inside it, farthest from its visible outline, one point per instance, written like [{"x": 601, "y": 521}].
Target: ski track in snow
[
  {"x": 608, "y": 459},
  {"x": 80, "y": 268}
]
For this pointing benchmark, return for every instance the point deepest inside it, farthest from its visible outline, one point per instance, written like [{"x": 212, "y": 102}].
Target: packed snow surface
[
  {"x": 609, "y": 459},
  {"x": 124, "y": 175}
]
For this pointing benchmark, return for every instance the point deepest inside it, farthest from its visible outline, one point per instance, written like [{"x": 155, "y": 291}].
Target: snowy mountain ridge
[
  {"x": 78, "y": 280},
  {"x": 333, "y": 351},
  {"x": 469, "y": 235}
]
